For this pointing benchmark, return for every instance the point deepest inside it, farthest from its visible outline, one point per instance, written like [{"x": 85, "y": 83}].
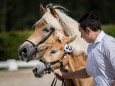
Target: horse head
[
  {"x": 56, "y": 56},
  {"x": 43, "y": 34}
]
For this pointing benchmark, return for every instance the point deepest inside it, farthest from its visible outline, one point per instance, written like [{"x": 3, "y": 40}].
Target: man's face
[{"x": 84, "y": 34}]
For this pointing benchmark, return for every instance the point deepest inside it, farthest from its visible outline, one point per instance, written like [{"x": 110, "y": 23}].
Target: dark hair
[{"x": 90, "y": 20}]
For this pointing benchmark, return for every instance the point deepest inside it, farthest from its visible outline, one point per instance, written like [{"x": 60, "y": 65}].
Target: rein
[
  {"x": 49, "y": 69},
  {"x": 67, "y": 49},
  {"x": 44, "y": 39}
]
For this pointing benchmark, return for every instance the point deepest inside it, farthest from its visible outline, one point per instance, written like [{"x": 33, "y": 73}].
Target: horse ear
[
  {"x": 42, "y": 9},
  {"x": 70, "y": 39},
  {"x": 53, "y": 12}
]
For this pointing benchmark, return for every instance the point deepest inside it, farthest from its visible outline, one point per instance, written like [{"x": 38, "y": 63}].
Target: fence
[{"x": 13, "y": 65}]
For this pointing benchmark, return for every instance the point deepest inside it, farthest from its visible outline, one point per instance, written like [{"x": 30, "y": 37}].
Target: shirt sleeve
[{"x": 109, "y": 51}]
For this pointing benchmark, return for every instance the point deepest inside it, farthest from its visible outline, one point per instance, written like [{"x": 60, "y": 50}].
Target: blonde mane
[{"x": 68, "y": 25}]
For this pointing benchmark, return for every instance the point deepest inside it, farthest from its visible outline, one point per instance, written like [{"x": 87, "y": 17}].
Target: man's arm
[{"x": 77, "y": 74}]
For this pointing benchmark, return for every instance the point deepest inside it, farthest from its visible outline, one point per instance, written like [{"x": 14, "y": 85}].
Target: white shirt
[{"x": 101, "y": 60}]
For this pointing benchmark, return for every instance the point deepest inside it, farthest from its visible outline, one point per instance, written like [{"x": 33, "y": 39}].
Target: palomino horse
[
  {"x": 56, "y": 57},
  {"x": 52, "y": 21},
  {"x": 44, "y": 30}
]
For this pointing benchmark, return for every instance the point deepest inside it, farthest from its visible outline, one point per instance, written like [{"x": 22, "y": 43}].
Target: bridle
[
  {"x": 49, "y": 64},
  {"x": 67, "y": 49},
  {"x": 44, "y": 39}
]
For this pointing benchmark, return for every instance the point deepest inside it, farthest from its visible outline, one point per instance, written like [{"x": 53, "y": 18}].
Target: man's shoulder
[
  {"x": 108, "y": 41},
  {"x": 108, "y": 38}
]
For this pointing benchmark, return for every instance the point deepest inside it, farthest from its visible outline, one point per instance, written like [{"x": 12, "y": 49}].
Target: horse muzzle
[
  {"x": 26, "y": 52},
  {"x": 39, "y": 70}
]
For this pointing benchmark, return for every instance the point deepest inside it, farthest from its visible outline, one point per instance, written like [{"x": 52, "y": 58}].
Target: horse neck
[
  {"x": 70, "y": 28},
  {"x": 77, "y": 62}
]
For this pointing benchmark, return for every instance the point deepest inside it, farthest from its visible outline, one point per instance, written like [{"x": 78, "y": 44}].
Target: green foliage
[
  {"x": 109, "y": 29},
  {"x": 21, "y": 14},
  {"x": 9, "y": 43}
]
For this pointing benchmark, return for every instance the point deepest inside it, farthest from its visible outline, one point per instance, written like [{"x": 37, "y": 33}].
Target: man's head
[
  {"x": 90, "y": 20},
  {"x": 89, "y": 26}
]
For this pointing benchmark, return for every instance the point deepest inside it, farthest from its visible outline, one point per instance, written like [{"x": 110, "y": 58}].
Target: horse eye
[
  {"x": 46, "y": 29},
  {"x": 53, "y": 51}
]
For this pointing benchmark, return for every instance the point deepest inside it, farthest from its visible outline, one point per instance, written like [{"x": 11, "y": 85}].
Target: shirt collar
[{"x": 100, "y": 37}]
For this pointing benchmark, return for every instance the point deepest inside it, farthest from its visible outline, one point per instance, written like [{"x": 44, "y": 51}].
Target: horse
[
  {"x": 56, "y": 57},
  {"x": 41, "y": 38},
  {"x": 52, "y": 21}
]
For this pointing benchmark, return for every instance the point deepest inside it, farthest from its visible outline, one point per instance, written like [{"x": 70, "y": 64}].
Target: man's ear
[
  {"x": 88, "y": 30},
  {"x": 69, "y": 39}
]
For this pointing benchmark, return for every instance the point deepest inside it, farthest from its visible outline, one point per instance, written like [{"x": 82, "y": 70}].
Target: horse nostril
[
  {"x": 35, "y": 69},
  {"x": 23, "y": 52}
]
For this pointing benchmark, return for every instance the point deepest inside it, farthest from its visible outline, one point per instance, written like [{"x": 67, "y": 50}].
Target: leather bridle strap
[
  {"x": 44, "y": 39},
  {"x": 49, "y": 69},
  {"x": 67, "y": 49},
  {"x": 35, "y": 47},
  {"x": 57, "y": 61},
  {"x": 55, "y": 81}
]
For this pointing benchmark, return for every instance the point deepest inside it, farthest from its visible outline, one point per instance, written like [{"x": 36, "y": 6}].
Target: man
[{"x": 101, "y": 57}]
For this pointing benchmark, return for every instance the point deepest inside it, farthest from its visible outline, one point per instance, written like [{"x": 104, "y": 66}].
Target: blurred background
[{"x": 18, "y": 16}]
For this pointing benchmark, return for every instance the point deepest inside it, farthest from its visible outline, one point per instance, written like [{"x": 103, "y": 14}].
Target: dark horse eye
[
  {"x": 53, "y": 51},
  {"x": 46, "y": 30}
]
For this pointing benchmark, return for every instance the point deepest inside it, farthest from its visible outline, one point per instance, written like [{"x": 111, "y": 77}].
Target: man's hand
[{"x": 59, "y": 74}]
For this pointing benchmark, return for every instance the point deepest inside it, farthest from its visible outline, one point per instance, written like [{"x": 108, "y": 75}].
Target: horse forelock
[{"x": 51, "y": 20}]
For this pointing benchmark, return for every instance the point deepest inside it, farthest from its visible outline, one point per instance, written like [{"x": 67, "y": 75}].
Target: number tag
[{"x": 68, "y": 48}]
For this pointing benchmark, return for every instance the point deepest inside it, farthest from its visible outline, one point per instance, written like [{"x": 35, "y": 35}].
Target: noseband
[{"x": 44, "y": 39}]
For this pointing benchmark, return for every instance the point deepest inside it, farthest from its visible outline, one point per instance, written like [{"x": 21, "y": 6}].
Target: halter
[
  {"x": 44, "y": 39},
  {"x": 67, "y": 49},
  {"x": 49, "y": 64}
]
